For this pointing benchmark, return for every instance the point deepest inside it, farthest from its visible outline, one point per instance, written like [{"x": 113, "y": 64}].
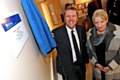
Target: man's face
[{"x": 71, "y": 18}]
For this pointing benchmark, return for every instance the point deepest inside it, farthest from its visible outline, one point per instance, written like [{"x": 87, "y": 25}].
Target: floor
[{"x": 89, "y": 72}]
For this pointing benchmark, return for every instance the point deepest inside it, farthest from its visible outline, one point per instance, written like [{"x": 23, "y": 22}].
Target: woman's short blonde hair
[{"x": 100, "y": 13}]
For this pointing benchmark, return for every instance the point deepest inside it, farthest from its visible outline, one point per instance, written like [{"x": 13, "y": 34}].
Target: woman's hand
[{"x": 106, "y": 69}]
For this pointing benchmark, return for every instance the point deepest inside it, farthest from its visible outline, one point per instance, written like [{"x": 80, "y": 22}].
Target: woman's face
[{"x": 100, "y": 24}]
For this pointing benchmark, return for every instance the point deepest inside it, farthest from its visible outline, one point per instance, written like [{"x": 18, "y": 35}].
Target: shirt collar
[{"x": 69, "y": 30}]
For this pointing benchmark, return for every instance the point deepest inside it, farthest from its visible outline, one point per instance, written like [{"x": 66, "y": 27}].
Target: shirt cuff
[
  {"x": 113, "y": 64},
  {"x": 94, "y": 60}
]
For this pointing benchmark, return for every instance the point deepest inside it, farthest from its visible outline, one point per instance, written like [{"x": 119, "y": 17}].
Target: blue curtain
[{"x": 39, "y": 27}]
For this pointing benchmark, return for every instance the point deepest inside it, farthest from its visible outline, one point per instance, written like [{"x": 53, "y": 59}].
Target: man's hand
[
  {"x": 86, "y": 66},
  {"x": 99, "y": 66}
]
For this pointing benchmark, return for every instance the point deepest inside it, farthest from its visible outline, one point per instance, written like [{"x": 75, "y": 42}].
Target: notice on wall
[{"x": 14, "y": 33}]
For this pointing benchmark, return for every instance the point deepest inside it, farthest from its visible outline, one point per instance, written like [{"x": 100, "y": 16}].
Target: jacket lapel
[
  {"x": 65, "y": 37},
  {"x": 79, "y": 32},
  {"x": 110, "y": 36}
]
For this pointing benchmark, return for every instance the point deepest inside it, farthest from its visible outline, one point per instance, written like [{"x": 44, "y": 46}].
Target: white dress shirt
[{"x": 71, "y": 42}]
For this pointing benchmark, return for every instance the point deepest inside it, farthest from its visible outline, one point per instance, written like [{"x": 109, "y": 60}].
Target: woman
[{"x": 103, "y": 46}]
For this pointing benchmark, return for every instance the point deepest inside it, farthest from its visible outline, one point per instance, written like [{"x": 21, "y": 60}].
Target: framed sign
[{"x": 14, "y": 32}]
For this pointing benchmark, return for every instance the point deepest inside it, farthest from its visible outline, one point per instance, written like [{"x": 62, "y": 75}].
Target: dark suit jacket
[
  {"x": 113, "y": 10},
  {"x": 64, "y": 59},
  {"x": 92, "y": 7}
]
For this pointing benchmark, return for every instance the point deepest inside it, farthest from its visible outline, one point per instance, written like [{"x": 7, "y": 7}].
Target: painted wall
[
  {"x": 30, "y": 64},
  {"x": 43, "y": 7}
]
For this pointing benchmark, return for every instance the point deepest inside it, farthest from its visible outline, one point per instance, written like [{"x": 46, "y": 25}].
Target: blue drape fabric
[{"x": 39, "y": 27}]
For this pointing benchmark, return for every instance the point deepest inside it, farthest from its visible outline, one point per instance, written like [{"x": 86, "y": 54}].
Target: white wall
[{"x": 30, "y": 64}]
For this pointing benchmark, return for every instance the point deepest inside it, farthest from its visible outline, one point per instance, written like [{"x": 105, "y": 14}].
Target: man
[
  {"x": 113, "y": 10},
  {"x": 67, "y": 5},
  {"x": 68, "y": 64}
]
